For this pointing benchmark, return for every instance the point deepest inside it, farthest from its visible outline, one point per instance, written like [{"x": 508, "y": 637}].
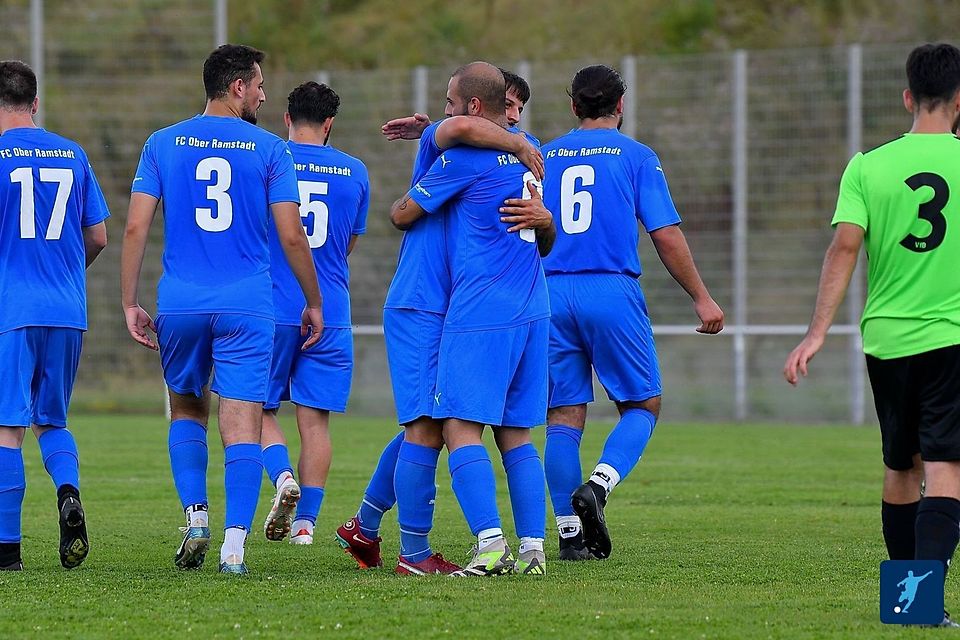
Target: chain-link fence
[{"x": 753, "y": 145}]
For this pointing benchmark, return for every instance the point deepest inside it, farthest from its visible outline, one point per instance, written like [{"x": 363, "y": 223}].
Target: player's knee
[
  {"x": 508, "y": 438},
  {"x": 12, "y": 437},
  {"x": 573, "y": 416},
  {"x": 424, "y": 432},
  {"x": 651, "y": 404}
]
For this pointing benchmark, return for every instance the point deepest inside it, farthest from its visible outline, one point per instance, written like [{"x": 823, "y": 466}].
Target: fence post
[
  {"x": 740, "y": 195},
  {"x": 628, "y": 67},
  {"x": 525, "y": 71},
  {"x": 36, "y": 52},
  {"x": 855, "y": 292},
  {"x": 219, "y": 22}
]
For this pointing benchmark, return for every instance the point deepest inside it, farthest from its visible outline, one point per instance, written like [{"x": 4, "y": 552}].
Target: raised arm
[
  {"x": 143, "y": 208},
  {"x": 475, "y": 131},
  {"x": 293, "y": 239},
  {"x": 94, "y": 241},
  {"x": 408, "y": 128},
  {"x": 838, "y": 266},
  {"x": 675, "y": 255}
]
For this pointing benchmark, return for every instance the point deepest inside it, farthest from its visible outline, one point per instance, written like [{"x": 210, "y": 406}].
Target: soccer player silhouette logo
[{"x": 909, "y": 584}]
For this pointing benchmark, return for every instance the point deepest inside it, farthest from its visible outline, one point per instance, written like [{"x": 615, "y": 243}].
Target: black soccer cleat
[
  {"x": 588, "y": 503},
  {"x": 10, "y": 557},
  {"x": 574, "y": 548},
  {"x": 74, "y": 544}
]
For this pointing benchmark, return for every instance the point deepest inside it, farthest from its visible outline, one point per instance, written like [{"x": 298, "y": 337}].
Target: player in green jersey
[{"x": 902, "y": 200}]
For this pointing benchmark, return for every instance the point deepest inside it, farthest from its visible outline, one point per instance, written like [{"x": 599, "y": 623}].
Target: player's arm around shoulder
[
  {"x": 408, "y": 128},
  {"x": 475, "y": 131}
]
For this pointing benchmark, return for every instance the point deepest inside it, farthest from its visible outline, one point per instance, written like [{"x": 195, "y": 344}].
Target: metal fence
[{"x": 753, "y": 144}]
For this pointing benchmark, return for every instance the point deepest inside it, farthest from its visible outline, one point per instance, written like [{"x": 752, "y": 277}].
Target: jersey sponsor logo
[
  {"x": 443, "y": 161},
  {"x": 420, "y": 189}
]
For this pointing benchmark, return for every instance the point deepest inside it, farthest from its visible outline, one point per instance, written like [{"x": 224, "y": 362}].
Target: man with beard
[
  {"x": 413, "y": 319},
  {"x": 220, "y": 177},
  {"x": 335, "y": 191},
  {"x": 599, "y": 320}
]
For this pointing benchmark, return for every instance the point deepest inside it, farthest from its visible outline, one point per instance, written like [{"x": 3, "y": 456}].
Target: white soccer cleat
[
  {"x": 302, "y": 536},
  {"x": 278, "y": 522}
]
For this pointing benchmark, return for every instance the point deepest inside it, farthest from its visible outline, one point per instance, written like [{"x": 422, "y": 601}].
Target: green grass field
[{"x": 721, "y": 532}]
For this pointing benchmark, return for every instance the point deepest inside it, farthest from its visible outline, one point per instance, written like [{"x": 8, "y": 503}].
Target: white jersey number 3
[
  {"x": 576, "y": 207},
  {"x": 207, "y": 169},
  {"x": 28, "y": 220},
  {"x": 321, "y": 214}
]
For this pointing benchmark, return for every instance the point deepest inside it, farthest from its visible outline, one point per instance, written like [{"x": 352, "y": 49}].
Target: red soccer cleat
[
  {"x": 364, "y": 550},
  {"x": 435, "y": 564}
]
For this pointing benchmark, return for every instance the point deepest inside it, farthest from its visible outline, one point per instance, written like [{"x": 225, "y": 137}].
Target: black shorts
[{"x": 918, "y": 404}]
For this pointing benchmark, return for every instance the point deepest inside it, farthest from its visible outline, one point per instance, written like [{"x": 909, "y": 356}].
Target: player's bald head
[{"x": 483, "y": 81}]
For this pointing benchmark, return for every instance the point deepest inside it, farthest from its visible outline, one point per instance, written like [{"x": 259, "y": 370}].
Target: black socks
[
  {"x": 899, "y": 525},
  {"x": 937, "y": 529}
]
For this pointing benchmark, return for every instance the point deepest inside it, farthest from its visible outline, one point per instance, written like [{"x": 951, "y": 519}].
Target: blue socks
[
  {"x": 276, "y": 460},
  {"x": 416, "y": 490},
  {"x": 311, "y": 498},
  {"x": 475, "y": 487},
  {"x": 59, "y": 452},
  {"x": 13, "y": 483},
  {"x": 527, "y": 494},
  {"x": 380, "y": 495},
  {"x": 243, "y": 467},
  {"x": 626, "y": 442},
  {"x": 188, "y": 459},
  {"x": 561, "y": 461}
]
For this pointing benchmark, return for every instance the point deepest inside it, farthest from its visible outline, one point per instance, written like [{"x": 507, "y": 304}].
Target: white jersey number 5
[
  {"x": 206, "y": 218},
  {"x": 321, "y": 214}
]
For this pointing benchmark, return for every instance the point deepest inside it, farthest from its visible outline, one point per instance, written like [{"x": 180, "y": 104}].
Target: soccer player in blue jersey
[
  {"x": 413, "y": 320},
  {"x": 601, "y": 182},
  {"x": 52, "y": 227},
  {"x": 220, "y": 178},
  {"x": 492, "y": 365},
  {"x": 334, "y": 198}
]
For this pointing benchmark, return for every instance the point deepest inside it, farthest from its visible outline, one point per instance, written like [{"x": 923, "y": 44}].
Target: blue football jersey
[
  {"x": 422, "y": 279},
  {"x": 217, "y": 177},
  {"x": 498, "y": 281},
  {"x": 598, "y": 183},
  {"x": 48, "y": 193},
  {"x": 334, "y": 198}
]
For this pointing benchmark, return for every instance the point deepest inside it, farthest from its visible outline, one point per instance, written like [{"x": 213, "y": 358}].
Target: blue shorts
[
  {"x": 495, "y": 376},
  {"x": 318, "y": 378},
  {"x": 236, "y": 347},
  {"x": 600, "y": 321},
  {"x": 413, "y": 346},
  {"x": 38, "y": 366}
]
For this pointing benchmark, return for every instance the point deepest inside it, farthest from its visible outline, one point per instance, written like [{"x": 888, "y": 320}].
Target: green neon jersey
[{"x": 905, "y": 194}]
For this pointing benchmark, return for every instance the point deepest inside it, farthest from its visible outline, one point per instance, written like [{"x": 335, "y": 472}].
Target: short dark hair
[
  {"x": 595, "y": 91},
  {"x": 227, "y": 63},
  {"x": 933, "y": 74},
  {"x": 18, "y": 85},
  {"x": 312, "y": 103},
  {"x": 484, "y": 81},
  {"x": 517, "y": 84}
]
